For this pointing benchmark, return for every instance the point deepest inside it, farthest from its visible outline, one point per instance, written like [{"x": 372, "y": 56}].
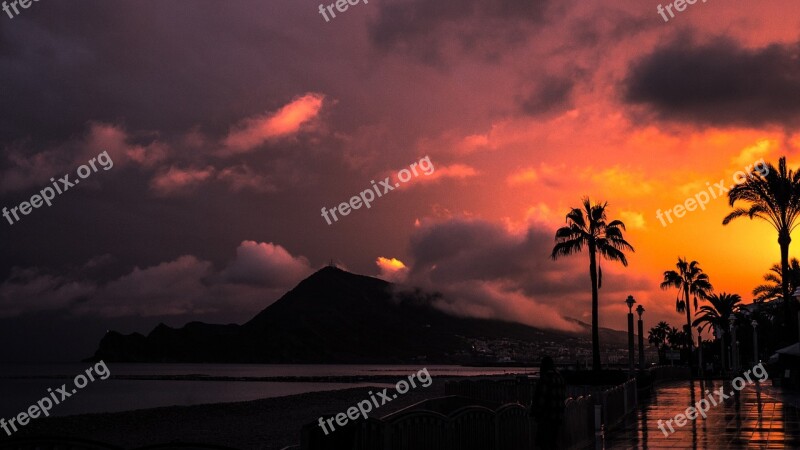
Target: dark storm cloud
[
  {"x": 73, "y": 309},
  {"x": 718, "y": 83},
  {"x": 185, "y": 286},
  {"x": 112, "y": 61},
  {"x": 166, "y": 85},
  {"x": 606, "y": 27},
  {"x": 462, "y": 249},
  {"x": 424, "y": 29},
  {"x": 485, "y": 270},
  {"x": 552, "y": 94}
]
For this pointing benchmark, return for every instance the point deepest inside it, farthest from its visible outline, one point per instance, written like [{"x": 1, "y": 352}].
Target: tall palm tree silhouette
[
  {"x": 587, "y": 227},
  {"x": 774, "y": 278},
  {"x": 691, "y": 283},
  {"x": 773, "y": 198}
]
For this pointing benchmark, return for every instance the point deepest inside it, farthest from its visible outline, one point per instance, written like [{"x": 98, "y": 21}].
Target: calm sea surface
[{"x": 23, "y": 385}]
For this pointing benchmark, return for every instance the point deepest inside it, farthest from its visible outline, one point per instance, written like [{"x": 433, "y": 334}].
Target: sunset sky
[{"x": 231, "y": 124}]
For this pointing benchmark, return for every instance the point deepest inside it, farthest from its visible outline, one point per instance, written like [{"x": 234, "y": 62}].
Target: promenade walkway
[{"x": 764, "y": 418}]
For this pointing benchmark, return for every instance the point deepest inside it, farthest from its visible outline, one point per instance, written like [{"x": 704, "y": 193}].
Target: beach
[{"x": 268, "y": 424}]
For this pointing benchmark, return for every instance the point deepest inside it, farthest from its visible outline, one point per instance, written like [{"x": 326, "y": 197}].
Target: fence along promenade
[
  {"x": 489, "y": 415},
  {"x": 473, "y": 427},
  {"x": 424, "y": 427}
]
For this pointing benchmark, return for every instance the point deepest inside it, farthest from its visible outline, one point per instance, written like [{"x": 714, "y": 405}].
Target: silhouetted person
[{"x": 548, "y": 405}]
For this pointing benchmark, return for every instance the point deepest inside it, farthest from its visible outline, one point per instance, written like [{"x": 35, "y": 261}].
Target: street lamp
[
  {"x": 755, "y": 341},
  {"x": 734, "y": 348},
  {"x": 640, "y": 310},
  {"x": 630, "y": 301},
  {"x": 796, "y": 295}
]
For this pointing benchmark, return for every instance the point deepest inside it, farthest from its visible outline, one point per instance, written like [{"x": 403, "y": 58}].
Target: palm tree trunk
[
  {"x": 595, "y": 318},
  {"x": 784, "y": 239},
  {"x": 688, "y": 315},
  {"x": 689, "y": 324}
]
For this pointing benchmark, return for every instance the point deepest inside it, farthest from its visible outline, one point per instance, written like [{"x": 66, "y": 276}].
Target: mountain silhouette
[{"x": 332, "y": 316}]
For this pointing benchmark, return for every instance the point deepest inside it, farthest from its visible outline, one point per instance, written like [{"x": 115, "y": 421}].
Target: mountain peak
[
  {"x": 334, "y": 278},
  {"x": 333, "y": 316},
  {"x": 330, "y": 270}
]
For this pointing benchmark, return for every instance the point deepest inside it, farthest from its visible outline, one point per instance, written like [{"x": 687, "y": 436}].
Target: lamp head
[
  {"x": 630, "y": 301},
  {"x": 640, "y": 310}
]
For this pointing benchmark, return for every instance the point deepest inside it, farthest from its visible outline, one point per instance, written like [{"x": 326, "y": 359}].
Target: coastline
[{"x": 267, "y": 424}]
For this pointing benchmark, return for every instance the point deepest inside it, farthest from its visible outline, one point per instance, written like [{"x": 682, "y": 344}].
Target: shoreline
[
  {"x": 375, "y": 377},
  {"x": 269, "y": 379},
  {"x": 266, "y": 424}
]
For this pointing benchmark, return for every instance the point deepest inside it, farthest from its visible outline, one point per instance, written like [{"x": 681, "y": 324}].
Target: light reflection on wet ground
[{"x": 751, "y": 418}]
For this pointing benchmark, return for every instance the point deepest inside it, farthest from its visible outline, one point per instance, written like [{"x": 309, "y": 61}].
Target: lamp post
[
  {"x": 640, "y": 310},
  {"x": 720, "y": 333},
  {"x": 734, "y": 348},
  {"x": 630, "y": 301},
  {"x": 755, "y": 341},
  {"x": 796, "y": 295}
]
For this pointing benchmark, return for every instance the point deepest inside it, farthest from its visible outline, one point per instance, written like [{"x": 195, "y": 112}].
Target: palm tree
[
  {"x": 657, "y": 336},
  {"x": 677, "y": 339},
  {"x": 691, "y": 283},
  {"x": 717, "y": 315},
  {"x": 773, "y": 197},
  {"x": 773, "y": 289},
  {"x": 587, "y": 227}
]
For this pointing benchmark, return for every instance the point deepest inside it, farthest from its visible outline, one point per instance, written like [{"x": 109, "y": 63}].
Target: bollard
[
  {"x": 598, "y": 426},
  {"x": 625, "y": 399},
  {"x": 598, "y": 420}
]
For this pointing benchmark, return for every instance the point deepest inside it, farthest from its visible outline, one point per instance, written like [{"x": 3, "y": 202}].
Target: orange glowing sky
[
  {"x": 223, "y": 162},
  {"x": 533, "y": 170}
]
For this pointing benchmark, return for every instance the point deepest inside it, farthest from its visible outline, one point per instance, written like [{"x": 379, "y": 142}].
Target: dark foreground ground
[{"x": 268, "y": 424}]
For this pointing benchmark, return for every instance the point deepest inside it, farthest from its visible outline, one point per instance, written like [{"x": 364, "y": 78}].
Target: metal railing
[{"x": 491, "y": 415}]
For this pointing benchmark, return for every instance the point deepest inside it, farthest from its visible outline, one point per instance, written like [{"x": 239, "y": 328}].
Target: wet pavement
[{"x": 763, "y": 417}]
